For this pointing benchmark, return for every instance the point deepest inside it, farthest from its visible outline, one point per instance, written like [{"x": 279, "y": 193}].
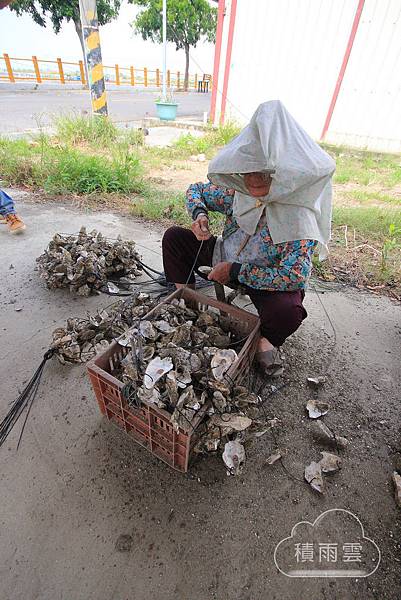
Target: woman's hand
[
  {"x": 221, "y": 273},
  {"x": 200, "y": 228}
]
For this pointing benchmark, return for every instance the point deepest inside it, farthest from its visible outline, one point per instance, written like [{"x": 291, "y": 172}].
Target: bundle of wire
[{"x": 24, "y": 401}]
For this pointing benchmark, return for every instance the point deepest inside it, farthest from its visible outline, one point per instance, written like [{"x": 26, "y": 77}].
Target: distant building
[{"x": 335, "y": 64}]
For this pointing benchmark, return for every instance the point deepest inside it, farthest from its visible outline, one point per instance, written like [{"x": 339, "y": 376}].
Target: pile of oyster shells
[
  {"x": 85, "y": 262},
  {"x": 179, "y": 360},
  {"x": 82, "y": 338}
]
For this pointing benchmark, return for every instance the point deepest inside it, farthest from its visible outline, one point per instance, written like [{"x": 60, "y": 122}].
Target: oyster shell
[
  {"x": 182, "y": 335},
  {"x": 234, "y": 457},
  {"x": 221, "y": 362},
  {"x": 155, "y": 370},
  {"x": 163, "y": 326},
  {"x": 217, "y": 337},
  {"x": 172, "y": 387},
  {"x": 183, "y": 377},
  {"x": 147, "y": 330},
  {"x": 219, "y": 401},
  {"x": 206, "y": 319},
  {"x": 150, "y": 395},
  {"x": 229, "y": 422}
]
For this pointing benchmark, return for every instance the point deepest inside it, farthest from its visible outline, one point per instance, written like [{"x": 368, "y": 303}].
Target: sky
[{"x": 22, "y": 37}]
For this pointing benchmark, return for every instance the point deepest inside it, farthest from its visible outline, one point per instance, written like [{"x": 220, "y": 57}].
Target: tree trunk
[
  {"x": 186, "y": 79},
  {"x": 78, "y": 29}
]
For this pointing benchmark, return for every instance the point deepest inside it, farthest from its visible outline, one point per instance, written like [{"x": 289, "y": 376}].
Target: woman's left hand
[{"x": 221, "y": 273}]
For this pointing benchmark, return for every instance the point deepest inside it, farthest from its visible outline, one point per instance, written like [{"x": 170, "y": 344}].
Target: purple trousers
[{"x": 280, "y": 313}]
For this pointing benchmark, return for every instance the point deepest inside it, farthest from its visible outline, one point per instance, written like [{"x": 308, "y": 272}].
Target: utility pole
[
  {"x": 93, "y": 56},
  {"x": 164, "y": 50}
]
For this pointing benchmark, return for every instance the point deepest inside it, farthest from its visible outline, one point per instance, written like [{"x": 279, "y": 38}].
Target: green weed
[
  {"x": 391, "y": 243},
  {"x": 74, "y": 172},
  {"x": 62, "y": 169},
  {"x": 20, "y": 163},
  {"x": 213, "y": 139},
  {"x": 371, "y": 221},
  {"x": 133, "y": 137},
  {"x": 74, "y": 129}
]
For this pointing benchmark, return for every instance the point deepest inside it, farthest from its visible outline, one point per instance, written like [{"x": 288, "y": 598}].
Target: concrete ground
[
  {"x": 76, "y": 484},
  {"x": 24, "y": 108}
]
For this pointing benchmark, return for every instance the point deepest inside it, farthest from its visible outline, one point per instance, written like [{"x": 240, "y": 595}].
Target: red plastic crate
[{"x": 149, "y": 425}]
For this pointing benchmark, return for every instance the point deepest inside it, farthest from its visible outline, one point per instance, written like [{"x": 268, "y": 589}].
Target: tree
[
  {"x": 58, "y": 10},
  {"x": 187, "y": 22}
]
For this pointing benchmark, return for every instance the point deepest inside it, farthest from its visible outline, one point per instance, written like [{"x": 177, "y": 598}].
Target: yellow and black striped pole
[{"x": 90, "y": 32}]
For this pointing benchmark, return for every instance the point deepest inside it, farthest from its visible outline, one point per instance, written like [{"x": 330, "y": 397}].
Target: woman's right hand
[{"x": 200, "y": 228}]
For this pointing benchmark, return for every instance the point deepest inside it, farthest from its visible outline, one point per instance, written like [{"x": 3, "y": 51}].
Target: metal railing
[{"x": 13, "y": 70}]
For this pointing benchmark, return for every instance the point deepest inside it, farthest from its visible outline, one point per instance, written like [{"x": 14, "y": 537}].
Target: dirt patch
[{"x": 180, "y": 176}]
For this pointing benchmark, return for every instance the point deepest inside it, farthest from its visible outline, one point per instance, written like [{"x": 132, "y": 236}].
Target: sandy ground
[{"x": 77, "y": 484}]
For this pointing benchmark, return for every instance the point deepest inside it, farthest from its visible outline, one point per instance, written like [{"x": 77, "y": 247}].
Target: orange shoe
[{"x": 14, "y": 223}]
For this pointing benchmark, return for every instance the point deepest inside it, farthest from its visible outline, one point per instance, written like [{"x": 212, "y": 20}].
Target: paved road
[{"x": 22, "y": 108}]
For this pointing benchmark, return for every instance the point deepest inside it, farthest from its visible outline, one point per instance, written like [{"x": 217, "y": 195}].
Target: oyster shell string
[{"x": 24, "y": 401}]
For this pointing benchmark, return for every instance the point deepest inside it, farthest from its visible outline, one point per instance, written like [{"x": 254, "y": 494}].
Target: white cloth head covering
[{"x": 298, "y": 205}]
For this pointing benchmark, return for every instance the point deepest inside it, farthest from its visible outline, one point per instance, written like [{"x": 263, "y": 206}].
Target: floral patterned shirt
[{"x": 287, "y": 266}]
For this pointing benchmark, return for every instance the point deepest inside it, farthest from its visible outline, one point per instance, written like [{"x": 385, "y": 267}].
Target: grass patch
[
  {"x": 214, "y": 138},
  {"x": 207, "y": 144},
  {"x": 376, "y": 230},
  {"x": 74, "y": 130},
  {"x": 370, "y": 221},
  {"x": 365, "y": 168},
  {"x": 74, "y": 172},
  {"x": 155, "y": 205},
  {"x": 62, "y": 169},
  {"x": 188, "y": 144},
  {"x": 20, "y": 164},
  {"x": 374, "y": 197}
]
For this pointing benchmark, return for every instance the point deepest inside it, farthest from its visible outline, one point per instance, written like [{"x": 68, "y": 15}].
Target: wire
[
  {"x": 194, "y": 263},
  {"x": 331, "y": 353},
  {"x": 24, "y": 400}
]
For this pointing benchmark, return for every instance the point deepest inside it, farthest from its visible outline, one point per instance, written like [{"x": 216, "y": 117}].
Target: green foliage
[
  {"x": 207, "y": 144},
  {"x": 187, "y": 22},
  {"x": 74, "y": 172},
  {"x": 74, "y": 130},
  {"x": 63, "y": 170},
  {"x": 20, "y": 164},
  {"x": 58, "y": 10}
]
